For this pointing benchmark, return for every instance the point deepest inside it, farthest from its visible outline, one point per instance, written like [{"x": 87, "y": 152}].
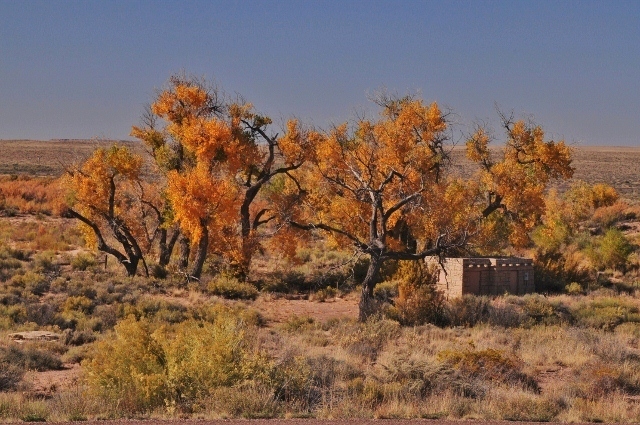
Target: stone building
[{"x": 485, "y": 276}]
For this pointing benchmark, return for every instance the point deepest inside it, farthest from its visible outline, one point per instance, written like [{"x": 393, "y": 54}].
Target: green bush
[
  {"x": 574, "y": 288},
  {"x": 140, "y": 368},
  {"x": 128, "y": 369},
  {"x": 321, "y": 295},
  {"x": 160, "y": 310},
  {"x": 611, "y": 251},
  {"x": 230, "y": 287},
  {"x": 538, "y": 308},
  {"x": 296, "y": 324},
  {"x": 386, "y": 291},
  {"x": 606, "y": 313},
  {"x": 83, "y": 262},
  {"x": 418, "y": 301},
  {"x": 80, "y": 304},
  {"x": 32, "y": 282}
]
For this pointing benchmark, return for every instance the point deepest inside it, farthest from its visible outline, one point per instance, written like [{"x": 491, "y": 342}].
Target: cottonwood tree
[
  {"x": 183, "y": 101},
  {"x": 194, "y": 148},
  {"x": 380, "y": 187},
  {"x": 512, "y": 181},
  {"x": 386, "y": 187},
  {"x": 267, "y": 156},
  {"x": 103, "y": 194},
  {"x": 218, "y": 157}
]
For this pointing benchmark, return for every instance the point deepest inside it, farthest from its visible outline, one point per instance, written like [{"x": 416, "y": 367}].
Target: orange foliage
[
  {"x": 28, "y": 195},
  {"x": 387, "y": 175},
  {"x": 105, "y": 187},
  {"x": 201, "y": 200},
  {"x": 515, "y": 184}
]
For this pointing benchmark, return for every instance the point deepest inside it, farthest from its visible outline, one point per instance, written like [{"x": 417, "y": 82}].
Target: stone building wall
[{"x": 484, "y": 276}]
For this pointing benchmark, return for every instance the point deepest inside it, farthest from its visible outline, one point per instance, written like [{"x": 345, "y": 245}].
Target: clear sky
[{"x": 84, "y": 69}]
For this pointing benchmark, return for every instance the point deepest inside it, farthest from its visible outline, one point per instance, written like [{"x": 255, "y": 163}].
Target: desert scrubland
[{"x": 82, "y": 337}]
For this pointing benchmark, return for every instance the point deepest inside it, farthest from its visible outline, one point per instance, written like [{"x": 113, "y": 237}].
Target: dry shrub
[
  {"x": 606, "y": 313},
  {"x": 612, "y": 409},
  {"x": 29, "y": 357},
  {"x": 28, "y": 195},
  {"x": 14, "y": 407},
  {"x": 489, "y": 365},
  {"x": 556, "y": 269},
  {"x": 10, "y": 376},
  {"x": 366, "y": 339},
  {"x": 607, "y": 216},
  {"x": 415, "y": 379},
  {"x": 524, "y": 407},
  {"x": 418, "y": 302},
  {"x": 141, "y": 368},
  {"x": 468, "y": 310},
  {"x": 232, "y": 288},
  {"x": 249, "y": 400}
]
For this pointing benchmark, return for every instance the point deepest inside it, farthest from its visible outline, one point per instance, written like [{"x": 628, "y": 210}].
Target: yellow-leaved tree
[
  {"x": 194, "y": 149},
  {"x": 386, "y": 187},
  {"x": 513, "y": 179},
  {"x": 218, "y": 157},
  {"x": 104, "y": 194}
]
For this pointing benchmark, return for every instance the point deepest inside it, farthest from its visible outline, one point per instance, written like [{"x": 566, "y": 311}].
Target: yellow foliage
[
  {"x": 201, "y": 200},
  {"x": 106, "y": 187},
  {"x": 515, "y": 185}
]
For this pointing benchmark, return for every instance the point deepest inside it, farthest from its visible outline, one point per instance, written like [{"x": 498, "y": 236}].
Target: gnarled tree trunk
[{"x": 368, "y": 305}]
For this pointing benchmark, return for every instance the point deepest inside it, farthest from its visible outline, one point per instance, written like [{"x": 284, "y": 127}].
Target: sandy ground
[
  {"x": 46, "y": 383},
  {"x": 278, "y": 310}
]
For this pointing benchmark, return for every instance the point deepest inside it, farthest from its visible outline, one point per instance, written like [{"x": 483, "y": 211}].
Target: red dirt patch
[
  {"x": 279, "y": 310},
  {"x": 46, "y": 383}
]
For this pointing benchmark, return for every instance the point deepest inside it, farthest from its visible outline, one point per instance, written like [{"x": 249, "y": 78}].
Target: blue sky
[{"x": 83, "y": 69}]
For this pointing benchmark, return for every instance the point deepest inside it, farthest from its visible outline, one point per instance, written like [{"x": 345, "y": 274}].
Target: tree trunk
[
  {"x": 201, "y": 254},
  {"x": 185, "y": 251},
  {"x": 166, "y": 249},
  {"x": 248, "y": 245},
  {"x": 368, "y": 305},
  {"x": 131, "y": 266}
]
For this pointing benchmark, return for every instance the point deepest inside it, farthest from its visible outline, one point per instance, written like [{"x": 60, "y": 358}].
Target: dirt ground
[
  {"x": 278, "y": 310},
  {"x": 47, "y": 383}
]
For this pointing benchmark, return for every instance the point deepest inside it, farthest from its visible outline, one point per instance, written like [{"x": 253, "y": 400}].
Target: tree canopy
[{"x": 386, "y": 186}]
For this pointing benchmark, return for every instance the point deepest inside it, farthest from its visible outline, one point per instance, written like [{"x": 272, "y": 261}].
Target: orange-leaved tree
[
  {"x": 103, "y": 193},
  {"x": 386, "y": 187},
  {"x": 267, "y": 156},
  {"x": 195, "y": 149},
  {"x": 513, "y": 180},
  {"x": 234, "y": 146}
]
